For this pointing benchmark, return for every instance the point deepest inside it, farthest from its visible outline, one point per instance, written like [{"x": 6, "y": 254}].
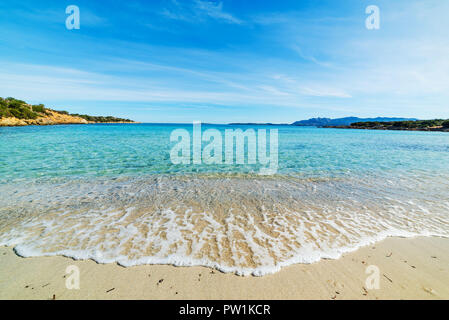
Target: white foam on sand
[{"x": 244, "y": 226}]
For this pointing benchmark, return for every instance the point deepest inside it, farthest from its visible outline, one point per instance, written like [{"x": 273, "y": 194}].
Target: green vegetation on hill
[
  {"x": 100, "y": 118},
  {"x": 19, "y": 109},
  {"x": 38, "y": 108},
  {"x": 11, "y": 107},
  {"x": 403, "y": 125}
]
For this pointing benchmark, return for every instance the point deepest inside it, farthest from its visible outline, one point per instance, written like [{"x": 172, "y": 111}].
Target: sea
[{"x": 112, "y": 193}]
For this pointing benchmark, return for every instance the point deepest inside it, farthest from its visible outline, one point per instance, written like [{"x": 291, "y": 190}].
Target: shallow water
[{"x": 111, "y": 193}]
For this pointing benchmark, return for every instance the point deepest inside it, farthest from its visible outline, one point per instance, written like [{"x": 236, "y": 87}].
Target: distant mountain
[{"x": 320, "y": 122}]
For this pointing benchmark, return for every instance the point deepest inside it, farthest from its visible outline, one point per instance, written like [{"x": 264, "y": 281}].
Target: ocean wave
[{"x": 243, "y": 224}]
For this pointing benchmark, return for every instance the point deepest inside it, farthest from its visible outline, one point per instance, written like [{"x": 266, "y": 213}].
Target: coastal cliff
[{"x": 14, "y": 112}]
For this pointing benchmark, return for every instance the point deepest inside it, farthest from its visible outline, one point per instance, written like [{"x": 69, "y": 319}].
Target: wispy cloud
[
  {"x": 310, "y": 58},
  {"x": 37, "y": 82},
  {"x": 215, "y": 10},
  {"x": 324, "y": 92},
  {"x": 198, "y": 10}
]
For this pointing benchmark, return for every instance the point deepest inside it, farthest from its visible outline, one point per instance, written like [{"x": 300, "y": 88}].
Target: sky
[{"x": 228, "y": 61}]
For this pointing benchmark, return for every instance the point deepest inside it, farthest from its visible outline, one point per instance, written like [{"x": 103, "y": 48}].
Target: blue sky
[{"x": 228, "y": 61}]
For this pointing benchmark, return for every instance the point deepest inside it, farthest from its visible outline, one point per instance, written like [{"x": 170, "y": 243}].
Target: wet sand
[{"x": 415, "y": 268}]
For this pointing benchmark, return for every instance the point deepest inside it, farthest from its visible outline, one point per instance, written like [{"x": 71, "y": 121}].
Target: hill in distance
[
  {"x": 14, "y": 112},
  {"x": 419, "y": 125},
  {"x": 347, "y": 121}
]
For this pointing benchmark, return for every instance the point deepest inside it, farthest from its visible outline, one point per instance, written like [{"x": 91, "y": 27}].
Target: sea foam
[{"x": 240, "y": 224}]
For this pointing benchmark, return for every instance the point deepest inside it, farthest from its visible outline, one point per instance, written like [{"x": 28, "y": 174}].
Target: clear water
[{"x": 111, "y": 193}]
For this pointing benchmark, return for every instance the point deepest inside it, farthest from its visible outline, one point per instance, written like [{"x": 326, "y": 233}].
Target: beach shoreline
[{"x": 409, "y": 268}]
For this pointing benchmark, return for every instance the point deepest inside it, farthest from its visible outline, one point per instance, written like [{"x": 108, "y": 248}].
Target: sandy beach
[{"x": 408, "y": 269}]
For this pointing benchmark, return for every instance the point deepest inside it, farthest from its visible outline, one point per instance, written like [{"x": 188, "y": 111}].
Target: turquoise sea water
[
  {"x": 111, "y": 193},
  {"x": 108, "y": 150}
]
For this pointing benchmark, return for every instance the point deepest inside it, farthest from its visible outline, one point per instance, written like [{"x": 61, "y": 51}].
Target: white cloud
[
  {"x": 38, "y": 82},
  {"x": 324, "y": 92},
  {"x": 310, "y": 58},
  {"x": 273, "y": 90},
  {"x": 199, "y": 10},
  {"x": 215, "y": 10}
]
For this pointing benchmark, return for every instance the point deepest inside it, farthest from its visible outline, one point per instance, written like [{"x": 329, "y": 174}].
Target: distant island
[
  {"x": 347, "y": 121},
  {"x": 14, "y": 112},
  {"x": 419, "y": 125},
  {"x": 323, "y": 122},
  {"x": 379, "y": 123}
]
